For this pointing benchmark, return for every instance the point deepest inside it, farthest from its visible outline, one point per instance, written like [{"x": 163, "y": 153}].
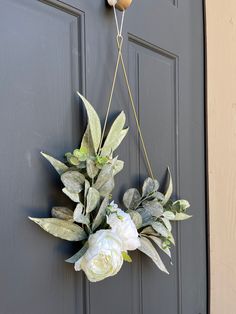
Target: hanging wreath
[{"x": 107, "y": 233}]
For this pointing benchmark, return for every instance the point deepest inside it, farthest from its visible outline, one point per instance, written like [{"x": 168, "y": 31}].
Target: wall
[{"x": 221, "y": 106}]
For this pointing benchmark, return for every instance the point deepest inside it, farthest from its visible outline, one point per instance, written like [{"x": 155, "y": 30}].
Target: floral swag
[{"x": 107, "y": 233}]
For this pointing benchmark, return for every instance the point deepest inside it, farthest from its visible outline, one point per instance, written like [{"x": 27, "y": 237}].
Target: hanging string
[{"x": 119, "y": 40}]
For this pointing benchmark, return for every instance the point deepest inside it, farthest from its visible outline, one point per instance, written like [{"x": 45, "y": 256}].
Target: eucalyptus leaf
[
  {"x": 148, "y": 249},
  {"x": 149, "y": 186},
  {"x": 78, "y": 215},
  {"x": 131, "y": 198},
  {"x": 113, "y": 135},
  {"x": 169, "y": 190},
  {"x": 63, "y": 213},
  {"x": 86, "y": 188},
  {"x": 63, "y": 229},
  {"x": 101, "y": 214},
  {"x": 136, "y": 217},
  {"x": 93, "y": 198},
  {"x": 73, "y": 196},
  {"x": 153, "y": 207},
  {"x": 91, "y": 168},
  {"x": 105, "y": 174},
  {"x": 160, "y": 228},
  {"x": 147, "y": 218},
  {"x": 73, "y": 181},
  {"x": 94, "y": 123},
  {"x": 73, "y": 259},
  {"x": 59, "y": 166},
  {"x": 181, "y": 216}
]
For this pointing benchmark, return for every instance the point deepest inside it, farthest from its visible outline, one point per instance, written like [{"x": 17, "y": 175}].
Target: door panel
[{"x": 49, "y": 49}]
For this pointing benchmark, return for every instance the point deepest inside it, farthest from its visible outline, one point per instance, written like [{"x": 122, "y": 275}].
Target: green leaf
[
  {"x": 159, "y": 243},
  {"x": 63, "y": 229},
  {"x": 93, "y": 198},
  {"x": 105, "y": 175},
  {"x": 153, "y": 207},
  {"x": 87, "y": 141},
  {"x": 169, "y": 190},
  {"x": 126, "y": 257},
  {"x": 180, "y": 206},
  {"x": 73, "y": 196},
  {"x": 101, "y": 215},
  {"x": 181, "y": 216},
  {"x": 148, "y": 249},
  {"x": 160, "y": 228},
  {"x": 113, "y": 135},
  {"x": 78, "y": 215},
  {"x": 149, "y": 186},
  {"x": 86, "y": 188},
  {"x": 93, "y": 122},
  {"x": 131, "y": 198},
  {"x": 73, "y": 259},
  {"x": 136, "y": 217},
  {"x": 92, "y": 170},
  {"x": 63, "y": 213},
  {"x": 73, "y": 160},
  {"x": 73, "y": 181},
  {"x": 118, "y": 166},
  {"x": 57, "y": 165}
]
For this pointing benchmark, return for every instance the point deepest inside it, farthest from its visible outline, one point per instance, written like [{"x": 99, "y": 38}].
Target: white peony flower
[
  {"x": 103, "y": 257},
  {"x": 122, "y": 224}
]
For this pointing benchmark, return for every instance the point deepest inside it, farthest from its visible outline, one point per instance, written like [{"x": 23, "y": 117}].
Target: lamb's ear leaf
[
  {"x": 118, "y": 166},
  {"x": 59, "y": 166},
  {"x": 113, "y": 138},
  {"x": 73, "y": 196},
  {"x": 180, "y": 206},
  {"x": 63, "y": 229},
  {"x": 131, "y": 198},
  {"x": 63, "y": 213},
  {"x": 159, "y": 243},
  {"x": 160, "y": 228},
  {"x": 136, "y": 218},
  {"x": 107, "y": 188},
  {"x": 169, "y": 190},
  {"x": 78, "y": 215},
  {"x": 73, "y": 259},
  {"x": 87, "y": 141},
  {"x": 93, "y": 198},
  {"x": 105, "y": 174},
  {"x": 93, "y": 122},
  {"x": 101, "y": 214},
  {"x": 73, "y": 181},
  {"x": 148, "y": 249}
]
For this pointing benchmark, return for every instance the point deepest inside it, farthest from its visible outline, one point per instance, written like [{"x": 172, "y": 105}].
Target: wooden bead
[{"x": 123, "y": 4}]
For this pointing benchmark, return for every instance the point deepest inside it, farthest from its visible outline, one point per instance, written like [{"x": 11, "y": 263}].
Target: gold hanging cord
[{"x": 119, "y": 40}]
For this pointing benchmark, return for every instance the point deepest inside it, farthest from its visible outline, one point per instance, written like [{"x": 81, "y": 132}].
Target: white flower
[
  {"x": 122, "y": 224},
  {"x": 103, "y": 257}
]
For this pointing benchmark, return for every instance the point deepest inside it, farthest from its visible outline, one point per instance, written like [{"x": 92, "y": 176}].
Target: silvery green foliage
[
  {"x": 88, "y": 178},
  {"x": 156, "y": 211}
]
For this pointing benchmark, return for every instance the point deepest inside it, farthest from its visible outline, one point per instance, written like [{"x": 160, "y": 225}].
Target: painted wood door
[{"x": 49, "y": 49}]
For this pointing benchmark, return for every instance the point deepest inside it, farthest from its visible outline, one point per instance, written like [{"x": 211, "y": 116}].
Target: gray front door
[{"x": 48, "y": 50}]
